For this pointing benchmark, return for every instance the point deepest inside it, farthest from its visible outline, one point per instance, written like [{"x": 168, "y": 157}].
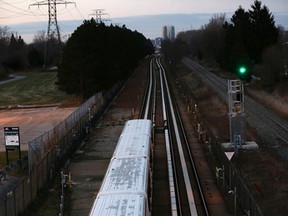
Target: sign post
[{"x": 12, "y": 140}]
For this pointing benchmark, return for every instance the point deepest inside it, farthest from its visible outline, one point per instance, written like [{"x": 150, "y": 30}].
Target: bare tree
[
  {"x": 4, "y": 41},
  {"x": 213, "y": 37},
  {"x": 208, "y": 42},
  {"x": 40, "y": 37}
]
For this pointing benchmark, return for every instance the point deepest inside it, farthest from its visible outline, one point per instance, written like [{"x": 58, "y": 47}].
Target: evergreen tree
[
  {"x": 264, "y": 33},
  {"x": 96, "y": 56},
  {"x": 237, "y": 38},
  {"x": 249, "y": 33}
]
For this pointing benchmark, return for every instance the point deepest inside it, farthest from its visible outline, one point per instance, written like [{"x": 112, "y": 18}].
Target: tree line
[
  {"x": 96, "y": 56},
  {"x": 16, "y": 55},
  {"x": 91, "y": 60},
  {"x": 12, "y": 50},
  {"x": 251, "y": 37}
]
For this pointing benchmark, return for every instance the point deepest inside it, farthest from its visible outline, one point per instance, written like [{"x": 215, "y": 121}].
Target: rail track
[
  {"x": 265, "y": 121},
  {"x": 177, "y": 188}
]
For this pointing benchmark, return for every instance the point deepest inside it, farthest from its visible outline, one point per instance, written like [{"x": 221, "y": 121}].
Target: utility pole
[
  {"x": 98, "y": 13},
  {"x": 53, "y": 27}
]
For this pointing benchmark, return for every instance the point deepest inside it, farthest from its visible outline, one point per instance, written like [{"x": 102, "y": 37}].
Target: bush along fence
[
  {"x": 239, "y": 199},
  {"x": 48, "y": 153}
]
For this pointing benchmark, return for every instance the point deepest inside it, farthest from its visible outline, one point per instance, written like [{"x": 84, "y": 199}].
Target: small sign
[
  {"x": 11, "y": 135},
  {"x": 229, "y": 155}
]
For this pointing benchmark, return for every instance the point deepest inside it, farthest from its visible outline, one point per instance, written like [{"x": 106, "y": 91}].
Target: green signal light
[{"x": 242, "y": 70}]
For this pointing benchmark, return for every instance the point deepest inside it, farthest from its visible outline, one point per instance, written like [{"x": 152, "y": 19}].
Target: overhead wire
[
  {"x": 15, "y": 11},
  {"x": 18, "y": 12},
  {"x": 80, "y": 13},
  {"x": 65, "y": 29},
  {"x": 13, "y": 6},
  {"x": 19, "y": 2}
]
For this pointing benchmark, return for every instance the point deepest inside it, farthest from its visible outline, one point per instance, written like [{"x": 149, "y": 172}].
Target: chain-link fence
[
  {"x": 63, "y": 134},
  {"x": 48, "y": 152}
]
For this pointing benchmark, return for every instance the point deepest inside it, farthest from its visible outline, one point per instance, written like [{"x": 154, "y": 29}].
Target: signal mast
[{"x": 236, "y": 107}]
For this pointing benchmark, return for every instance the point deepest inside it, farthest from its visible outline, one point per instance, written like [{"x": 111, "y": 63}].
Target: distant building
[
  {"x": 158, "y": 41},
  {"x": 171, "y": 32},
  {"x": 164, "y": 32},
  {"x": 168, "y": 32}
]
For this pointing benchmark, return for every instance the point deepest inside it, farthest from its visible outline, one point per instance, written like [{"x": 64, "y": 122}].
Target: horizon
[
  {"x": 148, "y": 25},
  {"x": 15, "y": 11}
]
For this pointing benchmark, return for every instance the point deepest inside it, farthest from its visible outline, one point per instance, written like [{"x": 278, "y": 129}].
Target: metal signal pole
[{"x": 236, "y": 113}]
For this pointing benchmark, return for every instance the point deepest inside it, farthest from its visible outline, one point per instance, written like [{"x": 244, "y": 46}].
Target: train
[{"x": 125, "y": 189}]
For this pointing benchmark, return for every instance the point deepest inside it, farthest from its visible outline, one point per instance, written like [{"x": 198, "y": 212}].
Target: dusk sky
[{"x": 17, "y": 11}]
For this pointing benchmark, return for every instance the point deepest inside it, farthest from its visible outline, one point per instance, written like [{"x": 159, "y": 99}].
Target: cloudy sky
[{"x": 19, "y": 11}]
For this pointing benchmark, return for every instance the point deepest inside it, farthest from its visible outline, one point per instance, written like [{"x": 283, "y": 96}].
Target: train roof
[
  {"x": 137, "y": 126},
  {"x": 132, "y": 146},
  {"x": 119, "y": 204},
  {"x": 124, "y": 188},
  {"x": 128, "y": 175}
]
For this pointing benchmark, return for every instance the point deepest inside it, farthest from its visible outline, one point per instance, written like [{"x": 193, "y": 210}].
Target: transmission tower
[
  {"x": 98, "y": 13},
  {"x": 53, "y": 27}
]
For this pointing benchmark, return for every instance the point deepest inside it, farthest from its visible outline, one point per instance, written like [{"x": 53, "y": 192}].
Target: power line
[
  {"x": 16, "y": 11},
  {"x": 80, "y": 13},
  {"x": 23, "y": 12},
  {"x": 19, "y": 2},
  {"x": 53, "y": 27},
  {"x": 11, "y": 5}
]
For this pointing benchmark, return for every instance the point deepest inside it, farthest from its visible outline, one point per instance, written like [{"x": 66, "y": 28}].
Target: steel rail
[
  {"x": 175, "y": 199},
  {"x": 146, "y": 110},
  {"x": 189, "y": 190},
  {"x": 192, "y": 161}
]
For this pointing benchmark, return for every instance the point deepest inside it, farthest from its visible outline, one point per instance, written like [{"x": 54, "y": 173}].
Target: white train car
[
  {"x": 137, "y": 127},
  {"x": 135, "y": 139},
  {"x": 125, "y": 185}
]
